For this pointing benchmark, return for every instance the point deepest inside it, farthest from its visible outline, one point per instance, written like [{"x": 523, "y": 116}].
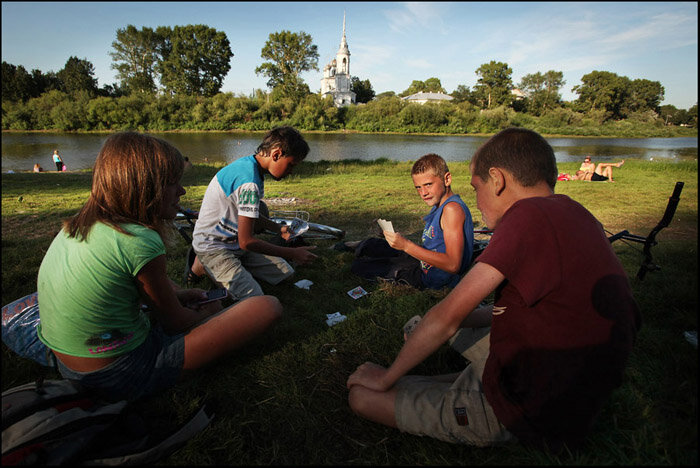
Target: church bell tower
[{"x": 336, "y": 80}]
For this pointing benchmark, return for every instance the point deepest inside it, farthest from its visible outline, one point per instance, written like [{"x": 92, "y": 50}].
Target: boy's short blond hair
[{"x": 430, "y": 162}]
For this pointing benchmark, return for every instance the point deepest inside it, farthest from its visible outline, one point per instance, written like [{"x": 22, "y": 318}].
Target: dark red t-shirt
[{"x": 564, "y": 321}]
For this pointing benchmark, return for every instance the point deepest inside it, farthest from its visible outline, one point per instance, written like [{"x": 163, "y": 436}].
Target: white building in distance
[
  {"x": 336, "y": 79},
  {"x": 423, "y": 98}
]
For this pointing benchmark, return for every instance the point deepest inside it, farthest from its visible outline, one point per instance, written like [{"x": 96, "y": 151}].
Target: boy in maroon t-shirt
[{"x": 548, "y": 354}]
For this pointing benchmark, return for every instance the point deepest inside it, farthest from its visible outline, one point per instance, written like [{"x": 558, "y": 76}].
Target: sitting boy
[
  {"x": 447, "y": 240},
  {"x": 561, "y": 328},
  {"x": 224, "y": 235}
]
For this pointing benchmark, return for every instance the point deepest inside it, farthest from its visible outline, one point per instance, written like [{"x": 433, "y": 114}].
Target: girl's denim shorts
[{"x": 151, "y": 368}]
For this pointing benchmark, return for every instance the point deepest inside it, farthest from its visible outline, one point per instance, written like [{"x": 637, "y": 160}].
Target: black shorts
[
  {"x": 375, "y": 258},
  {"x": 598, "y": 178}
]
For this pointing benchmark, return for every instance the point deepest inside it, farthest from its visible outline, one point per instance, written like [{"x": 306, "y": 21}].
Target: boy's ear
[
  {"x": 448, "y": 179},
  {"x": 276, "y": 153},
  {"x": 498, "y": 179}
]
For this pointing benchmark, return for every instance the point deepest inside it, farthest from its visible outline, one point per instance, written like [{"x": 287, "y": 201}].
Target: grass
[{"x": 282, "y": 400}]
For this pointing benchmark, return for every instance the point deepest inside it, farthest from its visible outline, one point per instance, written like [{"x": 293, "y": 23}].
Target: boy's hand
[
  {"x": 302, "y": 256},
  {"x": 396, "y": 240},
  {"x": 188, "y": 297},
  {"x": 368, "y": 375}
]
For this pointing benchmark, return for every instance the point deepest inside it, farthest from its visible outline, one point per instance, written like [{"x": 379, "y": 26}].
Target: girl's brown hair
[{"x": 128, "y": 181}]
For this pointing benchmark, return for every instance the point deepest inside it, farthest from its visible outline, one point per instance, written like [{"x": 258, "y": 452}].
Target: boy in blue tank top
[{"x": 447, "y": 240}]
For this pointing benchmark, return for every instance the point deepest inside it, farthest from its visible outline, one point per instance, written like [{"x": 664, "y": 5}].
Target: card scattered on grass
[
  {"x": 335, "y": 318},
  {"x": 303, "y": 284},
  {"x": 357, "y": 292}
]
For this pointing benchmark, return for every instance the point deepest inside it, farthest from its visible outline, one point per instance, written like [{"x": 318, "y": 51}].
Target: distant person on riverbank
[
  {"x": 224, "y": 237},
  {"x": 38, "y": 168},
  {"x": 546, "y": 356},
  {"x": 109, "y": 259},
  {"x": 587, "y": 165},
  {"x": 188, "y": 164},
  {"x": 58, "y": 161},
  {"x": 603, "y": 172},
  {"x": 446, "y": 243}
]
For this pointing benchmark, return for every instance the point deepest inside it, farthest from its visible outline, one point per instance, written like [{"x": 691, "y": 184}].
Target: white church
[{"x": 336, "y": 79}]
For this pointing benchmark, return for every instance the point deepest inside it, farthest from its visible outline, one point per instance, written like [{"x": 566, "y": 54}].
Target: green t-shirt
[{"x": 89, "y": 304}]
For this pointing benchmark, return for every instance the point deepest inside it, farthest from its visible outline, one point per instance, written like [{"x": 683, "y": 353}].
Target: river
[{"x": 21, "y": 150}]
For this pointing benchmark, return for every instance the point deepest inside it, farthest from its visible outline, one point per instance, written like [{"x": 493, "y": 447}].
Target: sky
[{"x": 391, "y": 43}]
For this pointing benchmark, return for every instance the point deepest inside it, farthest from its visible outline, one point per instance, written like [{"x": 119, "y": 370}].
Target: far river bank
[{"x": 21, "y": 150}]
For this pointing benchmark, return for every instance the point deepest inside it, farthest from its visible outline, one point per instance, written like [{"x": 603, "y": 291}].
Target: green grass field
[{"x": 282, "y": 400}]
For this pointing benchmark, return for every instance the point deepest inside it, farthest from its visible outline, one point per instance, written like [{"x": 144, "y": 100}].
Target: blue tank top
[{"x": 433, "y": 239}]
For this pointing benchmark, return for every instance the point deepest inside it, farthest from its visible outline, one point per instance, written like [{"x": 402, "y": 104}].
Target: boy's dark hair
[
  {"x": 288, "y": 139},
  {"x": 430, "y": 162},
  {"x": 522, "y": 152}
]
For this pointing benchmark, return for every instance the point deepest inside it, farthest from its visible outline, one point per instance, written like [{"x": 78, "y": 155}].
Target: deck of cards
[{"x": 385, "y": 225}]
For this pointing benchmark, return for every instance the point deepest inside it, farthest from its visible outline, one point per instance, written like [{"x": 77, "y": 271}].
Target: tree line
[{"x": 171, "y": 77}]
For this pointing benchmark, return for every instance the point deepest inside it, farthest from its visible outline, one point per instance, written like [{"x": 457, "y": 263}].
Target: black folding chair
[{"x": 650, "y": 240}]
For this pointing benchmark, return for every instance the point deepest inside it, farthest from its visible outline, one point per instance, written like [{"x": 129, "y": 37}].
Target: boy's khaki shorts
[
  {"x": 452, "y": 407},
  {"x": 236, "y": 270}
]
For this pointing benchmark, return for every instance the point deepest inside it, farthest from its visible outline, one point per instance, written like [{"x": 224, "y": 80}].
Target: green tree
[
  {"x": 462, "y": 94},
  {"x": 78, "y": 75},
  {"x": 136, "y": 58},
  {"x": 673, "y": 116},
  {"x": 113, "y": 90},
  {"x": 416, "y": 87},
  {"x": 645, "y": 95},
  {"x": 422, "y": 118},
  {"x": 431, "y": 85},
  {"x": 44, "y": 82},
  {"x": 602, "y": 90},
  {"x": 362, "y": 89},
  {"x": 17, "y": 83},
  {"x": 542, "y": 90},
  {"x": 693, "y": 114},
  {"x": 194, "y": 59},
  {"x": 494, "y": 85},
  {"x": 289, "y": 55}
]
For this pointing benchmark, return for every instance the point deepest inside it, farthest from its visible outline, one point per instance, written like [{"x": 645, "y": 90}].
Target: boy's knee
[
  {"x": 273, "y": 306},
  {"x": 269, "y": 305}
]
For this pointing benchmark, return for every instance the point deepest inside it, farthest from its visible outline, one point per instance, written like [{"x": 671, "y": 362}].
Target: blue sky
[{"x": 391, "y": 43}]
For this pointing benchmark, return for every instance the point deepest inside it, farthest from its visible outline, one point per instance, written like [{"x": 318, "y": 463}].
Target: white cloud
[
  {"x": 661, "y": 31},
  {"x": 371, "y": 54},
  {"x": 418, "y": 63},
  {"x": 412, "y": 15}
]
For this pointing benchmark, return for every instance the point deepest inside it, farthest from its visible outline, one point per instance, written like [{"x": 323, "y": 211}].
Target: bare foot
[{"x": 620, "y": 163}]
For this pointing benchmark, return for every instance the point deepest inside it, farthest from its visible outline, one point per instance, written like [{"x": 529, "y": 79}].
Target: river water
[{"x": 21, "y": 150}]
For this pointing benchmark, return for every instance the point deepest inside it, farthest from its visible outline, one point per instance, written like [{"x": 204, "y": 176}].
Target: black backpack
[{"x": 56, "y": 422}]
